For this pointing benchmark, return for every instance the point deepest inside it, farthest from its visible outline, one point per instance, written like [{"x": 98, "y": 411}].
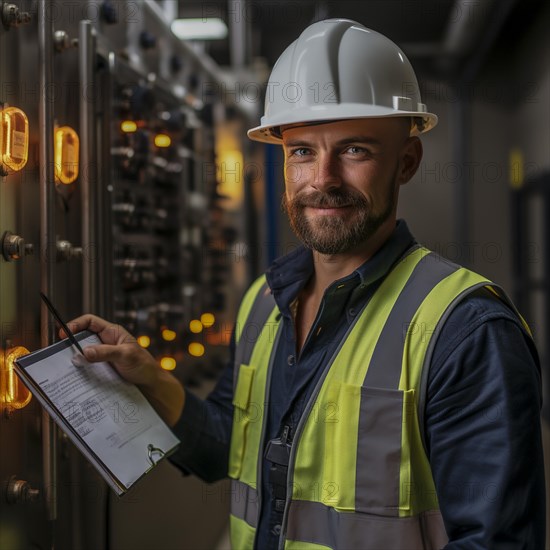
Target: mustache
[{"x": 334, "y": 199}]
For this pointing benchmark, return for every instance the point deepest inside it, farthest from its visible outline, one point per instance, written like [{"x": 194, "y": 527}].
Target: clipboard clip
[{"x": 152, "y": 451}]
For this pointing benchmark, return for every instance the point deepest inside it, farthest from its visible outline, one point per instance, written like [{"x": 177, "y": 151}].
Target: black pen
[{"x": 68, "y": 332}]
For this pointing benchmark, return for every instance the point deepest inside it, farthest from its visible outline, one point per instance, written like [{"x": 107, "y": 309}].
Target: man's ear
[{"x": 411, "y": 155}]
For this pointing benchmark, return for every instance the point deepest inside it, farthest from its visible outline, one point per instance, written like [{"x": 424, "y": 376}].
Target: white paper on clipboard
[{"x": 106, "y": 417}]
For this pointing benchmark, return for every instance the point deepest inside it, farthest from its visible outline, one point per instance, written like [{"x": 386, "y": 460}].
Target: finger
[
  {"x": 88, "y": 322},
  {"x": 116, "y": 334},
  {"x": 109, "y": 333},
  {"x": 103, "y": 352},
  {"x": 72, "y": 327},
  {"x": 79, "y": 360}
]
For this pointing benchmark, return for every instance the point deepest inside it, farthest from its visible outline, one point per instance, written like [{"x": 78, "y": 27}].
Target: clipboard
[{"x": 107, "y": 418}]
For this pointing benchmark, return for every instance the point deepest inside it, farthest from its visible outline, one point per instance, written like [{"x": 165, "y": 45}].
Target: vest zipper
[
  {"x": 300, "y": 427},
  {"x": 262, "y": 436},
  {"x": 297, "y": 351}
]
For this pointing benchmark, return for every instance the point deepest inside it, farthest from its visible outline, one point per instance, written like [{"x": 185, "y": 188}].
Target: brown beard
[{"x": 337, "y": 234}]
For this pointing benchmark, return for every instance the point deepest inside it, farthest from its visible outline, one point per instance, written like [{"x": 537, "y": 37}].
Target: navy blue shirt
[{"x": 482, "y": 418}]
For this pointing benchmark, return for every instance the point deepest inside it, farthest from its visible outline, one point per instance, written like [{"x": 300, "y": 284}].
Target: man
[{"x": 380, "y": 396}]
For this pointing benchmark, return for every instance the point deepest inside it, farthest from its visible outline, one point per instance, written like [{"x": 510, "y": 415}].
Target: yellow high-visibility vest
[{"x": 358, "y": 475}]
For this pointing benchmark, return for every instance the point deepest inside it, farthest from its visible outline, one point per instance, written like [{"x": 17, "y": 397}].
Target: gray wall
[{"x": 510, "y": 109}]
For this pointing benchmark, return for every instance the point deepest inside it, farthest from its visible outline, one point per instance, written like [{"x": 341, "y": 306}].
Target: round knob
[
  {"x": 19, "y": 491},
  {"x": 10, "y": 15},
  {"x": 14, "y": 247},
  {"x": 66, "y": 251},
  {"x": 61, "y": 41}
]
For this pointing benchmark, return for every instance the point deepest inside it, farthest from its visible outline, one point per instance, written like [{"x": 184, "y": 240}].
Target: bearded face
[
  {"x": 339, "y": 220},
  {"x": 343, "y": 177}
]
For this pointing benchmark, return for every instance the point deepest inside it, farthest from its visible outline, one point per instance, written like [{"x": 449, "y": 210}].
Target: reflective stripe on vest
[
  {"x": 245, "y": 502},
  {"x": 358, "y": 470},
  {"x": 323, "y": 527}
]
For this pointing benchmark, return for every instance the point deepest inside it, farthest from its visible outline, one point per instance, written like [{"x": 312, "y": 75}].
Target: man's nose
[{"x": 326, "y": 173}]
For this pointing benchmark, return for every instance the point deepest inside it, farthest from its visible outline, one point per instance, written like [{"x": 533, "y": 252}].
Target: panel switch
[
  {"x": 19, "y": 491},
  {"x": 14, "y": 247}
]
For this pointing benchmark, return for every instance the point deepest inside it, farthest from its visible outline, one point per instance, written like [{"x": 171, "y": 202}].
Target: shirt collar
[
  {"x": 287, "y": 275},
  {"x": 390, "y": 252}
]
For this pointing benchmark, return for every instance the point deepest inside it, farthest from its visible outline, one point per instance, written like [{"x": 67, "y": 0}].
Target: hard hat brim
[{"x": 264, "y": 132}]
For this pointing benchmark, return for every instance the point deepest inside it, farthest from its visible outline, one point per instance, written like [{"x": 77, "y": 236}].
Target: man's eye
[
  {"x": 300, "y": 152},
  {"x": 355, "y": 150}
]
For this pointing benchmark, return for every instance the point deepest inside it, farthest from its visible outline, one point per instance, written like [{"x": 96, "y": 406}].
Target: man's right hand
[
  {"x": 133, "y": 363},
  {"x": 119, "y": 348}
]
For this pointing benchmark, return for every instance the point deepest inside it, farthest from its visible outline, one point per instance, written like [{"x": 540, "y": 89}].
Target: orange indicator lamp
[
  {"x": 66, "y": 151},
  {"x": 144, "y": 341},
  {"x": 168, "y": 363},
  {"x": 168, "y": 335},
  {"x": 13, "y": 393},
  {"x": 196, "y": 349},
  {"x": 162, "y": 140},
  {"x": 207, "y": 319},
  {"x": 128, "y": 126},
  {"x": 195, "y": 326},
  {"x": 14, "y": 139}
]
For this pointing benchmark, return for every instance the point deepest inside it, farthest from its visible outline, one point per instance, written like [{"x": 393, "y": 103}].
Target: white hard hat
[{"x": 338, "y": 69}]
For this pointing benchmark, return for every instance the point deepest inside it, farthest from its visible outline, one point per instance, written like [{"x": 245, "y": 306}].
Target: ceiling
[{"x": 423, "y": 28}]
